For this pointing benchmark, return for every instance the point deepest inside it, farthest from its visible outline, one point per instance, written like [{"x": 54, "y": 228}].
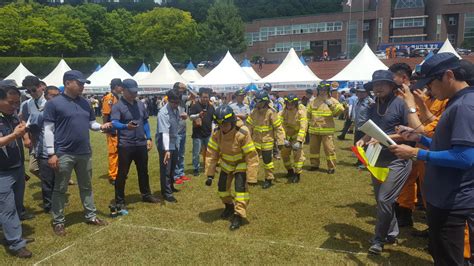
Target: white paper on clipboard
[{"x": 371, "y": 129}]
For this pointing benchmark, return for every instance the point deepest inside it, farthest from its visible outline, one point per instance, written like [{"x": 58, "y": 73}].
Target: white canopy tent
[
  {"x": 142, "y": 73},
  {"x": 228, "y": 75},
  {"x": 19, "y": 74},
  {"x": 163, "y": 77},
  {"x": 55, "y": 78},
  {"x": 190, "y": 73},
  {"x": 448, "y": 48},
  {"x": 100, "y": 79},
  {"x": 247, "y": 67},
  {"x": 361, "y": 67},
  {"x": 291, "y": 73}
]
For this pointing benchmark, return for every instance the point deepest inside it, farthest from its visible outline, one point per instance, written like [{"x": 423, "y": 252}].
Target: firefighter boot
[
  {"x": 236, "y": 222},
  {"x": 228, "y": 211},
  {"x": 291, "y": 173},
  {"x": 296, "y": 178},
  {"x": 267, "y": 184}
]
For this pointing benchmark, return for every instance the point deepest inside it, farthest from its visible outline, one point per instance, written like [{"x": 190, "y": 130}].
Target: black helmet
[
  {"x": 324, "y": 85},
  {"x": 267, "y": 86},
  {"x": 262, "y": 96},
  {"x": 291, "y": 98},
  {"x": 240, "y": 92},
  {"x": 224, "y": 113}
]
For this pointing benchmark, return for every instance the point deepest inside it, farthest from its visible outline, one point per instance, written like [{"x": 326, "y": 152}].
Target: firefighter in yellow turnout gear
[
  {"x": 232, "y": 148},
  {"x": 321, "y": 113},
  {"x": 295, "y": 123},
  {"x": 265, "y": 127}
]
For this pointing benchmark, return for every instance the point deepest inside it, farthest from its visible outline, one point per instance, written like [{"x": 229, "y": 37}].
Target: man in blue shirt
[
  {"x": 351, "y": 102},
  {"x": 130, "y": 117},
  {"x": 67, "y": 120},
  {"x": 166, "y": 138},
  {"x": 449, "y": 181},
  {"x": 12, "y": 171}
]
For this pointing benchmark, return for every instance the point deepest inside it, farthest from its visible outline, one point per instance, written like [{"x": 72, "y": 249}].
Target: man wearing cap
[
  {"x": 108, "y": 101},
  {"x": 67, "y": 120},
  {"x": 181, "y": 89},
  {"x": 241, "y": 110},
  {"x": 12, "y": 170},
  {"x": 387, "y": 113},
  {"x": 130, "y": 117},
  {"x": 449, "y": 182},
  {"x": 351, "y": 101}
]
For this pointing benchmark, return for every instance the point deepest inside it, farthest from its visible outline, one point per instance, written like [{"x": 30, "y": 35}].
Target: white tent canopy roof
[
  {"x": 55, "y": 78},
  {"x": 291, "y": 71},
  {"x": 247, "y": 67},
  {"x": 142, "y": 73},
  {"x": 190, "y": 73},
  {"x": 19, "y": 74},
  {"x": 361, "y": 67},
  {"x": 164, "y": 76},
  {"x": 101, "y": 78},
  {"x": 448, "y": 48},
  {"x": 227, "y": 74}
]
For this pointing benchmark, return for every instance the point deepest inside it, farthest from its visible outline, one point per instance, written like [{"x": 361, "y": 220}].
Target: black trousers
[
  {"x": 347, "y": 125},
  {"x": 447, "y": 234},
  {"x": 47, "y": 182},
  {"x": 139, "y": 155},
  {"x": 167, "y": 172}
]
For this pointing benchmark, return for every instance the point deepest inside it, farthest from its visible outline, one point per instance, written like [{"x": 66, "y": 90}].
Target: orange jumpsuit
[{"x": 112, "y": 141}]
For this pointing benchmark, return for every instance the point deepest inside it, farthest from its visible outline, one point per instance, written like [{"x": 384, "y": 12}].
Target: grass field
[{"x": 323, "y": 220}]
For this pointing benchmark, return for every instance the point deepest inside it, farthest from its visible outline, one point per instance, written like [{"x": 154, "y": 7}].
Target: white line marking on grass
[
  {"x": 252, "y": 239},
  {"x": 66, "y": 248}
]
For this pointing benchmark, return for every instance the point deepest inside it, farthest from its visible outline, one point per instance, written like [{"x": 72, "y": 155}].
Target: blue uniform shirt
[
  {"x": 71, "y": 118},
  {"x": 446, "y": 187},
  {"x": 125, "y": 112}
]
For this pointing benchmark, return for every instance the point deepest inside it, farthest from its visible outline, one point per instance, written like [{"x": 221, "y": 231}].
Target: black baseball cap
[
  {"x": 380, "y": 75},
  {"x": 75, "y": 75},
  {"x": 240, "y": 92},
  {"x": 435, "y": 66},
  {"x": 130, "y": 85},
  {"x": 360, "y": 88},
  {"x": 8, "y": 83}
]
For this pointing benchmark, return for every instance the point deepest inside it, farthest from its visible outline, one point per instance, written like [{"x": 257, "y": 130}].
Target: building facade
[{"x": 380, "y": 23}]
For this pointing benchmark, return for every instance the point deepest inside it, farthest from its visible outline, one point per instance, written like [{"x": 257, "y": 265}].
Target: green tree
[
  {"x": 164, "y": 30},
  {"x": 223, "y": 30},
  {"x": 116, "y": 39},
  {"x": 9, "y": 21},
  {"x": 198, "y": 8}
]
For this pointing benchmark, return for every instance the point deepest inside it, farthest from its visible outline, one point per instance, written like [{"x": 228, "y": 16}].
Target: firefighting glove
[
  {"x": 328, "y": 102},
  {"x": 297, "y": 145},
  {"x": 287, "y": 143},
  {"x": 209, "y": 181}
]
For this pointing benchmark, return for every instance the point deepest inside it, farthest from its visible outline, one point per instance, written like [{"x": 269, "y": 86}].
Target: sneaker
[
  {"x": 178, "y": 181},
  {"x": 112, "y": 182},
  {"x": 184, "y": 178},
  {"x": 151, "y": 199},
  {"x": 376, "y": 249},
  {"x": 27, "y": 216},
  {"x": 391, "y": 240},
  {"x": 171, "y": 199},
  {"x": 59, "y": 229},
  {"x": 331, "y": 171},
  {"x": 22, "y": 253},
  {"x": 236, "y": 222},
  {"x": 196, "y": 173},
  {"x": 97, "y": 221},
  {"x": 341, "y": 137}
]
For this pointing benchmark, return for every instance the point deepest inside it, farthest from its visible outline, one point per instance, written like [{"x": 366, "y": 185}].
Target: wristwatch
[{"x": 412, "y": 110}]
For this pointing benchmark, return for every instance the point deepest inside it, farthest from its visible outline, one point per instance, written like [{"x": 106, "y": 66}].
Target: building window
[
  {"x": 452, "y": 39},
  {"x": 408, "y": 23},
  {"x": 284, "y": 47},
  {"x": 469, "y": 30},
  {"x": 352, "y": 39},
  {"x": 366, "y": 26},
  {"x": 401, "y": 4},
  {"x": 452, "y": 21},
  {"x": 438, "y": 27}
]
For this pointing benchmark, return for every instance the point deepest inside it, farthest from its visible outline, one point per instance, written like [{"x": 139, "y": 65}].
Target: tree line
[{"x": 33, "y": 29}]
